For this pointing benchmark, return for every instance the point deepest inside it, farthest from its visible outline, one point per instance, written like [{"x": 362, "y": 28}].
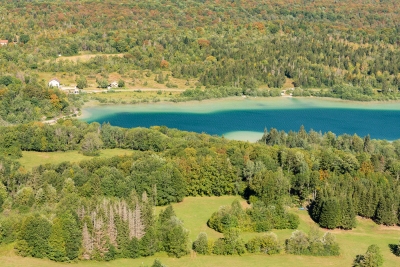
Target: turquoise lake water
[{"x": 245, "y": 119}]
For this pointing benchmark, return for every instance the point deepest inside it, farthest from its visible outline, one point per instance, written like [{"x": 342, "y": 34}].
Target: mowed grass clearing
[
  {"x": 32, "y": 159},
  {"x": 138, "y": 96},
  {"x": 195, "y": 211},
  {"x": 142, "y": 82},
  {"x": 86, "y": 57}
]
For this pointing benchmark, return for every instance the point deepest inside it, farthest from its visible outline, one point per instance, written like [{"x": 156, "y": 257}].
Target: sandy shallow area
[
  {"x": 237, "y": 103},
  {"x": 249, "y": 136}
]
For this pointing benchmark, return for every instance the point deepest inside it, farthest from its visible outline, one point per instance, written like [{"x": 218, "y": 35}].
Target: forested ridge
[
  {"x": 103, "y": 208},
  {"x": 325, "y": 48}
]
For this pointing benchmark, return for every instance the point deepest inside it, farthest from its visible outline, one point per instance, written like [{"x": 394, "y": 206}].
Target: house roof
[
  {"x": 55, "y": 79},
  {"x": 4, "y": 41}
]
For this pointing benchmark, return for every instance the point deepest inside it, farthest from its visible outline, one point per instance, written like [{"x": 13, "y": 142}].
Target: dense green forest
[
  {"x": 103, "y": 208},
  {"x": 335, "y": 49}
]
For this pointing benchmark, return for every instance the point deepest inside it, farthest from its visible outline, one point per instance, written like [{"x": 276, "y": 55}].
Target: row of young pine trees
[{"x": 338, "y": 207}]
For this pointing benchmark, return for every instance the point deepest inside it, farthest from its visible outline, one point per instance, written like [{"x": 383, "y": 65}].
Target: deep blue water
[{"x": 382, "y": 124}]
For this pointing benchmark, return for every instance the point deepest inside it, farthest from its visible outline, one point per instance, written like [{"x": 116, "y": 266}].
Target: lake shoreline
[
  {"x": 96, "y": 103},
  {"x": 244, "y": 119},
  {"x": 93, "y": 103}
]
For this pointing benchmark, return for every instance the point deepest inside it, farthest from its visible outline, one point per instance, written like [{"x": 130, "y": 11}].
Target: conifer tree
[
  {"x": 99, "y": 238},
  {"x": 386, "y": 212},
  {"x": 131, "y": 223},
  {"x": 57, "y": 242},
  {"x": 149, "y": 244},
  {"x": 72, "y": 235},
  {"x": 348, "y": 215},
  {"x": 112, "y": 229},
  {"x": 147, "y": 211},
  {"x": 174, "y": 238},
  {"x": 138, "y": 225},
  {"x": 166, "y": 214},
  {"x": 330, "y": 214},
  {"x": 134, "y": 248},
  {"x": 317, "y": 206},
  {"x": 122, "y": 236},
  {"x": 35, "y": 232},
  {"x": 87, "y": 242},
  {"x": 367, "y": 141}
]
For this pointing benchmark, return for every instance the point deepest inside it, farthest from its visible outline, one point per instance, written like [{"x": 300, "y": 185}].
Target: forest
[
  {"x": 322, "y": 48},
  {"x": 108, "y": 208},
  {"x": 104, "y": 208}
]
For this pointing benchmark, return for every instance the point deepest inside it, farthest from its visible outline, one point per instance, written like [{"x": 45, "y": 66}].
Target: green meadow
[
  {"x": 195, "y": 211},
  {"x": 32, "y": 159}
]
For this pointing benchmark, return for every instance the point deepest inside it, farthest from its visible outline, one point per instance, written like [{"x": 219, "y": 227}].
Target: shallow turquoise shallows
[{"x": 245, "y": 119}]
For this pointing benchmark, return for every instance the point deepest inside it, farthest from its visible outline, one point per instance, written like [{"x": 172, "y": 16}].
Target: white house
[
  {"x": 3, "y": 42},
  {"x": 114, "y": 84},
  {"x": 54, "y": 83}
]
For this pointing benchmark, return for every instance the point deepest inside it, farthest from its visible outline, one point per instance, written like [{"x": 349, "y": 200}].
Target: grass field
[
  {"x": 141, "y": 82},
  {"x": 129, "y": 96},
  {"x": 32, "y": 159},
  {"x": 194, "y": 211},
  {"x": 86, "y": 57}
]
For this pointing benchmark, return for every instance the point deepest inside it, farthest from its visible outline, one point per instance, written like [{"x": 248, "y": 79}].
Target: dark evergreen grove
[{"x": 103, "y": 208}]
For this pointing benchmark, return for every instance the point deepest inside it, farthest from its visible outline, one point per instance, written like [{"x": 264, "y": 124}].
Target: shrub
[
  {"x": 298, "y": 243},
  {"x": 267, "y": 243},
  {"x": 372, "y": 258},
  {"x": 200, "y": 245},
  {"x": 301, "y": 244},
  {"x": 230, "y": 244}
]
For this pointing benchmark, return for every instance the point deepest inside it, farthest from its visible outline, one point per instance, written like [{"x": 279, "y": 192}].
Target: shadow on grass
[{"x": 395, "y": 249}]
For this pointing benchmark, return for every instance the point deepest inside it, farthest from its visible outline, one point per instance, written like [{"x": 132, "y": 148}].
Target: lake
[{"x": 245, "y": 119}]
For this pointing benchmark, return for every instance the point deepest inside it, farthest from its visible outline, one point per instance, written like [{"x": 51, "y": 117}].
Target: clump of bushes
[
  {"x": 302, "y": 244},
  {"x": 267, "y": 244},
  {"x": 259, "y": 218},
  {"x": 299, "y": 244}
]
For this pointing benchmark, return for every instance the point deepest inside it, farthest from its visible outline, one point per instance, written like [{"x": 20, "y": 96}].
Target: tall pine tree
[
  {"x": 348, "y": 214},
  {"x": 330, "y": 214}
]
